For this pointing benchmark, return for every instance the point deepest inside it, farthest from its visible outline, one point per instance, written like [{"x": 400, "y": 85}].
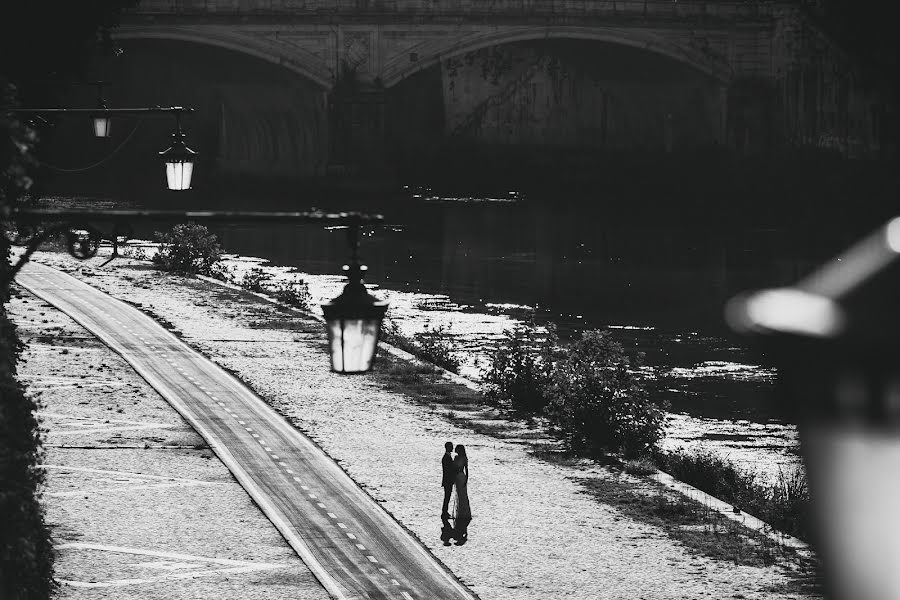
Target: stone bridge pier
[{"x": 304, "y": 88}]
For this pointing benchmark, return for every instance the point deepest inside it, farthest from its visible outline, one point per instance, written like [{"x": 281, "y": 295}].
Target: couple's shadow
[{"x": 449, "y": 533}]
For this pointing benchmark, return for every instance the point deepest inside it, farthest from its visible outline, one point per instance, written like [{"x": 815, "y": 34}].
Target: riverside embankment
[{"x": 542, "y": 528}]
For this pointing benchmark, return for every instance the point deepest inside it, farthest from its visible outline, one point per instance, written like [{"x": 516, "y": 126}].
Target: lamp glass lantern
[
  {"x": 179, "y": 160},
  {"x": 353, "y": 321},
  {"x": 101, "y": 119},
  {"x": 102, "y": 124}
]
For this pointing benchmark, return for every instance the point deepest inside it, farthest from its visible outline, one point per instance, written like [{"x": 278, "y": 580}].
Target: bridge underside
[
  {"x": 307, "y": 100},
  {"x": 255, "y": 117}
]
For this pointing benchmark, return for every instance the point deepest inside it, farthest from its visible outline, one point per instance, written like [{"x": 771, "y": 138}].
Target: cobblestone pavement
[{"x": 536, "y": 534}]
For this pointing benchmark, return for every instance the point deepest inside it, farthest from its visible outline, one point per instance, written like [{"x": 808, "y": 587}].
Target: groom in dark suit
[{"x": 447, "y": 481}]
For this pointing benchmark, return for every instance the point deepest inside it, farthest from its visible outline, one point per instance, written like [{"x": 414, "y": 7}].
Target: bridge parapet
[{"x": 480, "y": 10}]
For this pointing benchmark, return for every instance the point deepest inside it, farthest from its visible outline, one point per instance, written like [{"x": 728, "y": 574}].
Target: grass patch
[
  {"x": 784, "y": 504},
  {"x": 701, "y": 529},
  {"x": 640, "y": 466},
  {"x": 423, "y": 382}
]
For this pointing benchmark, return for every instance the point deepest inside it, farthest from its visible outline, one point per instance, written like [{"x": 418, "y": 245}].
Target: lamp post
[
  {"x": 178, "y": 158},
  {"x": 101, "y": 121},
  {"x": 834, "y": 339},
  {"x": 101, "y": 118},
  {"x": 353, "y": 319}
]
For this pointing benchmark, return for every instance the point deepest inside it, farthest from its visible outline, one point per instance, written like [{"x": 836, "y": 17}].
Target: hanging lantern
[
  {"x": 102, "y": 124},
  {"x": 101, "y": 118},
  {"x": 353, "y": 320},
  {"x": 179, "y": 160}
]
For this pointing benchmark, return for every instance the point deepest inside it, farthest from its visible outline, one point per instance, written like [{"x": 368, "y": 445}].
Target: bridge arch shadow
[{"x": 431, "y": 53}]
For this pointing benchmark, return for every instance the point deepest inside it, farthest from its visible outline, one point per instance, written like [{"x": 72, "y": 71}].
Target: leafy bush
[
  {"x": 253, "y": 279},
  {"x": 521, "y": 369},
  {"x": 135, "y": 252},
  {"x": 435, "y": 346},
  {"x": 598, "y": 404},
  {"x": 222, "y": 272},
  {"x": 187, "y": 249},
  {"x": 294, "y": 293}
]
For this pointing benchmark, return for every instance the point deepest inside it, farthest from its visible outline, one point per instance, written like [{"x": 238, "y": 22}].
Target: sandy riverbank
[{"x": 536, "y": 533}]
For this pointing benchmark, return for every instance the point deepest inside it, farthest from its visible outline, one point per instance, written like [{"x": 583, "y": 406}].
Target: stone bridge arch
[
  {"x": 428, "y": 53},
  {"x": 263, "y": 46}
]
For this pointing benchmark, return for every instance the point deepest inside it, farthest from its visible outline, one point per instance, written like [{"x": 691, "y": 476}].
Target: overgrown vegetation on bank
[
  {"x": 783, "y": 504},
  {"x": 431, "y": 345},
  {"x": 191, "y": 249},
  {"x": 590, "y": 391}
]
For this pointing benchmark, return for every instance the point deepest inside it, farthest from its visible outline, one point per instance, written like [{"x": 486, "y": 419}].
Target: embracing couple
[{"x": 456, "y": 478}]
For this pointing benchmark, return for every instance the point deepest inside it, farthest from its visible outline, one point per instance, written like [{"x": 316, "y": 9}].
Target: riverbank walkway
[
  {"x": 352, "y": 546},
  {"x": 539, "y": 529}
]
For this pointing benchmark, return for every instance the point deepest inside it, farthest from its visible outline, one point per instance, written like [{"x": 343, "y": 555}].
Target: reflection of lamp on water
[
  {"x": 179, "y": 160},
  {"x": 353, "y": 319},
  {"x": 834, "y": 338}
]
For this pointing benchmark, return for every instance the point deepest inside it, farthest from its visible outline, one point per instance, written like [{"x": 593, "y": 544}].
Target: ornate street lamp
[
  {"x": 834, "y": 338},
  {"x": 353, "y": 319},
  {"x": 101, "y": 121},
  {"x": 179, "y": 160},
  {"x": 101, "y": 118}
]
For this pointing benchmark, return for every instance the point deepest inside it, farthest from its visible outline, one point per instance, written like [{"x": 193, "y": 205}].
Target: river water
[{"x": 480, "y": 265}]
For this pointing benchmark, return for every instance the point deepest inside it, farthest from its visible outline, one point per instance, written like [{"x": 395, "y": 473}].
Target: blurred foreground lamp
[
  {"x": 179, "y": 160},
  {"x": 834, "y": 338},
  {"x": 353, "y": 320}
]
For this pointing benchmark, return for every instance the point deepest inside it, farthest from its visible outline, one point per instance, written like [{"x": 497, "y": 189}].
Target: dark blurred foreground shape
[{"x": 834, "y": 338}]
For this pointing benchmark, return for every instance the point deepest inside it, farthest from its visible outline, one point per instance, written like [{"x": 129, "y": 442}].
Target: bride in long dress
[{"x": 462, "y": 513}]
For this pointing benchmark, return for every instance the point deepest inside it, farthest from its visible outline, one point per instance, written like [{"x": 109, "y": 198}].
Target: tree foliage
[
  {"x": 521, "y": 369},
  {"x": 187, "y": 249},
  {"x": 598, "y": 402}
]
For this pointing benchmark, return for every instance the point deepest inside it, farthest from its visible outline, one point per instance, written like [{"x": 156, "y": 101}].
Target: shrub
[
  {"x": 390, "y": 333},
  {"x": 435, "y": 346},
  {"x": 222, "y": 272},
  {"x": 294, "y": 293},
  {"x": 640, "y": 466},
  {"x": 253, "y": 279},
  {"x": 431, "y": 345},
  {"x": 187, "y": 249},
  {"x": 521, "y": 369},
  {"x": 598, "y": 404}
]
